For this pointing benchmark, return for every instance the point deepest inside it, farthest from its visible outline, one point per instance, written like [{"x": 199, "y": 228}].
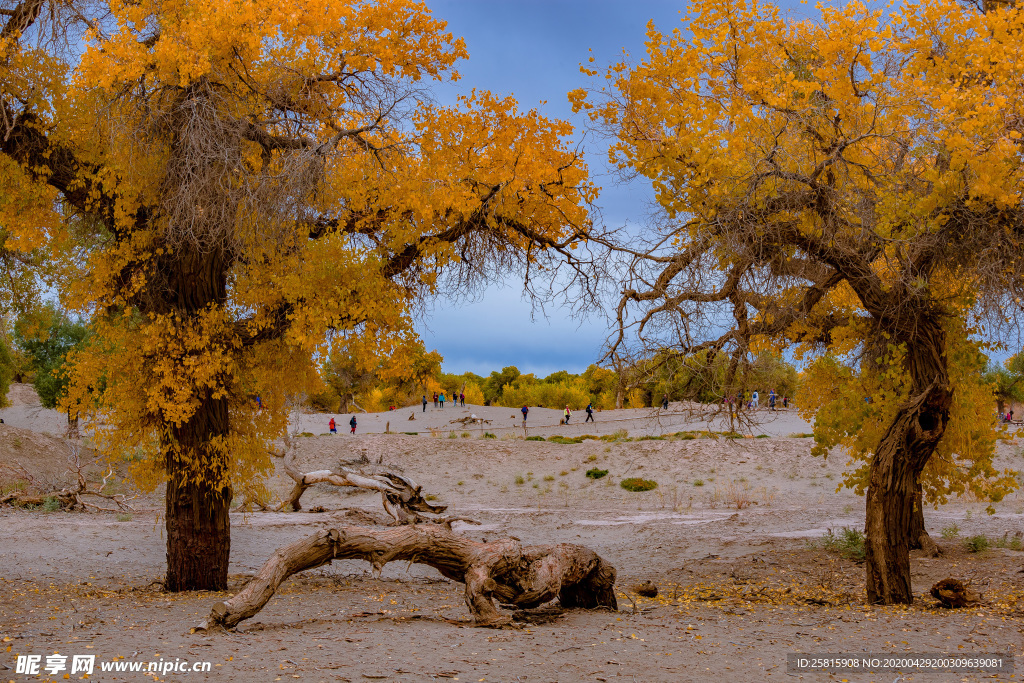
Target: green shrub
[
  {"x": 801, "y": 435},
  {"x": 595, "y": 473},
  {"x": 412, "y": 433},
  {"x": 549, "y": 477},
  {"x": 698, "y": 482},
  {"x": 649, "y": 438},
  {"x": 51, "y": 504},
  {"x": 565, "y": 439},
  {"x": 306, "y": 434},
  {"x": 1011, "y": 542},
  {"x": 762, "y": 436},
  {"x": 950, "y": 532},
  {"x": 519, "y": 480},
  {"x": 618, "y": 435},
  {"x": 977, "y": 544},
  {"x": 535, "y": 438},
  {"x": 848, "y": 542},
  {"x": 638, "y": 484},
  {"x": 488, "y": 435},
  {"x": 124, "y": 517},
  {"x": 589, "y": 436}
]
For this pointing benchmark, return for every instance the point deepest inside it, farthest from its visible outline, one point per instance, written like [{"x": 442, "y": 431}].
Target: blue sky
[{"x": 533, "y": 49}]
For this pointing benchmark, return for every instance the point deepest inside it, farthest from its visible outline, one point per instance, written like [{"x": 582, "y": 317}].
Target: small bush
[
  {"x": 459, "y": 483},
  {"x": 618, "y": 435},
  {"x": 950, "y": 532},
  {"x": 549, "y": 477},
  {"x": 589, "y": 436},
  {"x": 565, "y": 439},
  {"x": 977, "y": 544},
  {"x": 591, "y": 458},
  {"x": 488, "y": 435},
  {"x": 762, "y": 436},
  {"x": 563, "y": 473},
  {"x": 848, "y": 542},
  {"x": 51, "y": 504},
  {"x": 535, "y": 438},
  {"x": 412, "y": 433},
  {"x": 452, "y": 435},
  {"x": 801, "y": 435},
  {"x": 595, "y": 473},
  {"x": 124, "y": 517},
  {"x": 638, "y": 484},
  {"x": 698, "y": 482},
  {"x": 1011, "y": 542},
  {"x": 430, "y": 496},
  {"x": 519, "y": 480},
  {"x": 306, "y": 434},
  {"x": 465, "y": 435},
  {"x": 649, "y": 438}
]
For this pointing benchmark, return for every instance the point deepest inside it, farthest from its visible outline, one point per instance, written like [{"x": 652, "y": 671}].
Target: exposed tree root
[{"x": 502, "y": 570}]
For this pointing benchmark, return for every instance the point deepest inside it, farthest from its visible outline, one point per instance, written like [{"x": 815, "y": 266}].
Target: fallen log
[
  {"x": 402, "y": 497},
  {"x": 502, "y": 570}
]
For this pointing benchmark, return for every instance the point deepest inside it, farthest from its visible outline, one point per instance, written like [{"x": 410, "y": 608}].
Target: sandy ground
[{"x": 731, "y": 536}]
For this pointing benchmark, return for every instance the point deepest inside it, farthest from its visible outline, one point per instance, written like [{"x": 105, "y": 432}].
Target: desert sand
[{"x": 731, "y": 536}]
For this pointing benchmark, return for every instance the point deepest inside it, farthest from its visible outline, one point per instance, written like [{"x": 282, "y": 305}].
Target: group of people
[
  {"x": 753, "y": 402},
  {"x": 439, "y": 399},
  {"x": 566, "y": 414},
  {"x": 334, "y": 425}
]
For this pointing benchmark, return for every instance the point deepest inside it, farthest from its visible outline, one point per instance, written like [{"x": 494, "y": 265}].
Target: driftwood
[
  {"x": 401, "y": 496},
  {"x": 67, "y": 497},
  {"x": 503, "y": 570}
]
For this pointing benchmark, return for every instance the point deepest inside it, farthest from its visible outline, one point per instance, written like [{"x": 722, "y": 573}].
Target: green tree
[{"x": 48, "y": 337}]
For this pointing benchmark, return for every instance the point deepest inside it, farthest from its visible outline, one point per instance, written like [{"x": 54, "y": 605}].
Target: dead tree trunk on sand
[
  {"x": 402, "y": 497},
  {"x": 502, "y": 570}
]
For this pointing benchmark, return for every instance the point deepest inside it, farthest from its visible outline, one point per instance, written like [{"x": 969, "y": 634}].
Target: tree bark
[
  {"x": 198, "y": 502},
  {"x": 504, "y": 570},
  {"x": 918, "y": 535},
  {"x": 894, "y": 475}
]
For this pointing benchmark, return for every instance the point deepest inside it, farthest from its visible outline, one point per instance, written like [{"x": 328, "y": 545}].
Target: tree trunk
[
  {"x": 504, "y": 570},
  {"x": 904, "y": 450},
  {"x": 918, "y": 534},
  {"x": 198, "y": 502}
]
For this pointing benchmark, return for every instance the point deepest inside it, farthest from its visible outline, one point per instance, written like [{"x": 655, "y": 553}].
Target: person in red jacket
[{"x": 333, "y": 426}]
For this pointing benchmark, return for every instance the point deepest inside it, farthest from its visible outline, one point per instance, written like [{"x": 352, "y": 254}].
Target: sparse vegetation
[
  {"x": 519, "y": 480},
  {"x": 595, "y": 473},
  {"x": 848, "y": 542},
  {"x": 124, "y": 517},
  {"x": 801, "y": 435},
  {"x": 565, "y": 439},
  {"x": 535, "y": 438},
  {"x": 950, "y": 532},
  {"x": 488, "y": 435},
  {"x": 549, "y": 477},
  {"x": 977, "y": 544},
  {"x": 1013, "y": 542},
  {"x": 698, "y": 482},
  {"x": 637, "y": 484}
]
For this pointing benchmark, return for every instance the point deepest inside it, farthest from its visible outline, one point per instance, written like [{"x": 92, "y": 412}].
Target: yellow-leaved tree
[
  {"x": 248, "y": 178},
  {"x": 851, "y": 183}
]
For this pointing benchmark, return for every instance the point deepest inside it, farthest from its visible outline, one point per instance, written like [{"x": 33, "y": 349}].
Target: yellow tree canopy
[
  {"x": 851, "y": 184},
  {"x": 247, "y": 178}
]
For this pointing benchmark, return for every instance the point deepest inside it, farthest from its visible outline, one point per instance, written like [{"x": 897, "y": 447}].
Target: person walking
[
  {"x": 590, "y": 412},
  {"x": 567, "y": 415},
  {"x": 771, "y": 400},
  {"x": 441, "y": 399},
  {"x": 435, "y": 399},
  {"x": 525, "y": 411},
  {"x": 664, "y": 402},
  {"x": 352, "y": 424},
  {"x": 424, "y": 403},
  {"x": 333, "y": 426},
  {"x": 462, "y": 398},
  {"x": 753, "y": 400}
]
